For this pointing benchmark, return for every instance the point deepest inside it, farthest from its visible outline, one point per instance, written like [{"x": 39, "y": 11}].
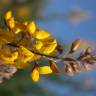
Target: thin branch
[{"x": 49, "y": 57}]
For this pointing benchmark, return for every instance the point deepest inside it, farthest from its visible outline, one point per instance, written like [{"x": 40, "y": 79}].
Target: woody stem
[{"x": 49, "y": 57}]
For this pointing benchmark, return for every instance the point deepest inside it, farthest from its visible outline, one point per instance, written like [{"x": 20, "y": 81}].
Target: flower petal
[
  {"x": 45, "y": 70},
  {"x": 31, "y": 27},
  {"x": 35, "y": 75},
  {"x": 41, "y": 34},
  {"x": 8, "y": 15}
]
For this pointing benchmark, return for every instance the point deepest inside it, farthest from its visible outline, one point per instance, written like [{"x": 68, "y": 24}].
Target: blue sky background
[
  {"x": 62, "y": 29},
  {"x": 81, "y": 84}
]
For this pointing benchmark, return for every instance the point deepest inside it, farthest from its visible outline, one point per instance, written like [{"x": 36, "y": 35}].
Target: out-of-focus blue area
[{"x": 64, "y": 29}]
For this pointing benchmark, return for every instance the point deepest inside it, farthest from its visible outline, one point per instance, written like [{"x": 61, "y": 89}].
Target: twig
[{"x": 49, "y": 57}]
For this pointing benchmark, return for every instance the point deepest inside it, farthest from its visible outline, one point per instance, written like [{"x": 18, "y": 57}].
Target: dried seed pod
[
  {"x": 80, "y": 56},
  {"x": 90, "y": 61},
  {"x": 88, "y": 66},
  {"x": 75, "y": 67},
  {"x": 6, "y": 71},
  {"x": 59, "y": 48},
  {"x": 75, "y": 45},
  {"x": 84, "y": 57},
  {"x": 69, "y": 70},
  {"x": 54, "y": 67},
  {"x": 88, "y": 51}
]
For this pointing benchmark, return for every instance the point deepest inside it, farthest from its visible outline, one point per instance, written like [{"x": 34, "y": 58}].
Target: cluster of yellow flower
[{"x": 20, "y": 42}]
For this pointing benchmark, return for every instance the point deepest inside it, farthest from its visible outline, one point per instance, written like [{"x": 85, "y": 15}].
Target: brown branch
[{"x": 49, "y": 57}]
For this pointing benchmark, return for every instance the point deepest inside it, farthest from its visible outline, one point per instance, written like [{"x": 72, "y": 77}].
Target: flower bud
[
  {"x": 75, "y": 67},
  {"x": 69, "y": 70},
  {"x": 54, "y": 67},
  {"x": 75, "y": 45}
]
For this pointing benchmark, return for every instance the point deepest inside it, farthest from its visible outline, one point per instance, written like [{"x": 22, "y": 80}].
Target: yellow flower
[
  {"x": 16, "y": 30},
  {"x": 6, "y": 37},
  {"x": 10, "y": 57},
  {"x": 48, "y": 49},
  {"x": 49, "y": 45},
  {"x": 21, "y": 65},
  {"x": 38, "y": 45},
  {"x": 41, "y": 34},
  {"x": 35, "y": 74},
  {"x": 23, "y": 42},
  {"x": 25, "y": 55},
  {"x": 39, "y": 70},
  {"x": 27, "y": 58},
  {"x": 45, "y": 70},
  {"x": 25, "y": 51},
  {"x": 20, "y": 27},
  {"x": 31, "y": 27},
  {"x": 10, "y": 23},
  {"x": 35, "y": 57},
  {"x": 8, "y": 15}
]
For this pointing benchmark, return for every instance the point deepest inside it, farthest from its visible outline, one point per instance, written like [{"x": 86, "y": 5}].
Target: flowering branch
[{"x": 23, "y": 42}]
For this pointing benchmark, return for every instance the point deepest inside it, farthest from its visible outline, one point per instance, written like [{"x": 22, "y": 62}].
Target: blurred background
[{"x": 66, "y": 20}]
